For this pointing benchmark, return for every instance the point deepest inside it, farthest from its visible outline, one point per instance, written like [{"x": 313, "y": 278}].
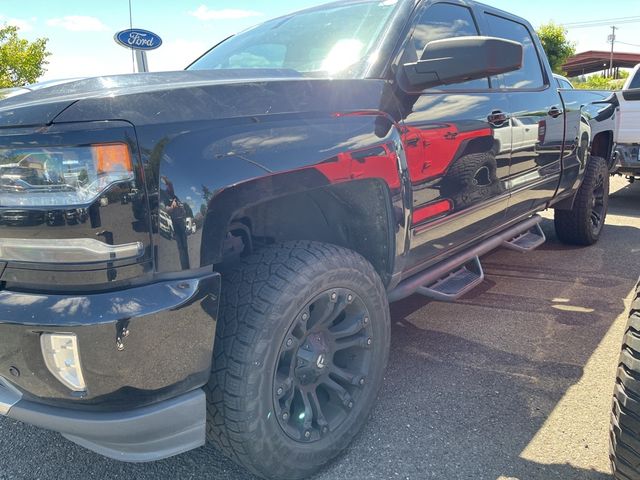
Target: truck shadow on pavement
[
  {"x": 470, "y": 387},
  {"x": 473, "y": 385}
]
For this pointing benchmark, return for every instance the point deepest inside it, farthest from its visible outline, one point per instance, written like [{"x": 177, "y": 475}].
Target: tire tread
[
  {"x": 250, "y": 291},
  {"x": 624, "y": 432},
  {"x": 573, "y": 226}
]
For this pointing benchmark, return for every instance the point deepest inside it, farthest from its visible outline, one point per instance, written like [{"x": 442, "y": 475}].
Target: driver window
[{"x": 440, "y": 21}]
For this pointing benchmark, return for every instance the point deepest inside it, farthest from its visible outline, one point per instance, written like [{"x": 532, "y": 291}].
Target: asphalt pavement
[{"x": 512, "y": 382}]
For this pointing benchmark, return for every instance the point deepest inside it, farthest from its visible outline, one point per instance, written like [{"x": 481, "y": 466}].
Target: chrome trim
[
  {"x": 9, "y": 396},
  {"x": 70, "y": 251}
]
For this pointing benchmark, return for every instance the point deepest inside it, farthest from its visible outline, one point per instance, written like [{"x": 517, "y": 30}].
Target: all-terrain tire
[
  {"x": 264, "y": 298},
  {"x": 583, "y": 224},
  {"x": 624, "y": 433}
]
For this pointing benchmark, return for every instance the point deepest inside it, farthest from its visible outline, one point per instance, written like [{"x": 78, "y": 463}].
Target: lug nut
[
  {"x": 366, "y": 320},
  {"x": 349, "y": 298},
  {"x": 325, "y": 429},
  {"x": 280, "y": 391},
  {"x": 305, "y": 316},
  {"x": 289, "y": 342},
  {"x": 334, "y": 295},
  {"x": 361, "y": 381},
  {"x": 369, "y": 341},
  {"x": 285, "y": 416},
  {"x": 350, "y": 404},
  {"x": 307, "y": 434}
]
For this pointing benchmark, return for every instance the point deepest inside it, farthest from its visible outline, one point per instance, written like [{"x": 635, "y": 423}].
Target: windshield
[{"x": 336, "y": 40}]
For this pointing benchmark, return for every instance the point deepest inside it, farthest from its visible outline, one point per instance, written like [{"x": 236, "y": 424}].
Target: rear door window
[{"x": 530, "y": 75}]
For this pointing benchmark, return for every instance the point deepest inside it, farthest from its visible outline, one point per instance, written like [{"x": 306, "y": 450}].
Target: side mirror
[{"x": 459, "y": 59}]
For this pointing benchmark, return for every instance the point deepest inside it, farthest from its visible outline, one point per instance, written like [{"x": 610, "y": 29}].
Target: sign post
[{"x": 139, "y": 41}]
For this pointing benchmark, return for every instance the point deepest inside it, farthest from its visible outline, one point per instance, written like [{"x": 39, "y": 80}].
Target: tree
[
  {"x": 556, "y": 45},
  {"x": 21, "y": 62}
]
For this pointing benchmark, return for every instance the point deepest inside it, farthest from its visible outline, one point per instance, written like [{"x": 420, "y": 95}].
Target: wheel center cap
[
  {"x": 321, "y": 361},
  {"x": 313, "y": 359}
]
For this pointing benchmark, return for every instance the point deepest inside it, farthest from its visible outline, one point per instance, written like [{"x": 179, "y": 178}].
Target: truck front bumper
[
  {"x": 144, "y": 434},
  {"x": 145, "y": 353}
]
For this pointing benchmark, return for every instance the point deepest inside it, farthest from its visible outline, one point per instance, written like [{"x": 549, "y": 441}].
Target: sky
[{"x": 80, "y": 32}]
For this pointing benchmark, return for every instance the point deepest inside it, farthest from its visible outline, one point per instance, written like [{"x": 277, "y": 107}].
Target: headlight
[{"x": 61, "y": 176}]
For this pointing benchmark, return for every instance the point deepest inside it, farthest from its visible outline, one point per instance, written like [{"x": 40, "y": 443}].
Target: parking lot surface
[{"x": 512, "y": 382}]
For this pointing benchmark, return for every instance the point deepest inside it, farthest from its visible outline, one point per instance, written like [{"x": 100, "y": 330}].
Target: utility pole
[{"x": 612, "y": 39}]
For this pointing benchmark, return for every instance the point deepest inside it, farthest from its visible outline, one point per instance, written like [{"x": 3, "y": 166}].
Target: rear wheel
[
  {"x": 300, "y": 352},
  {"x": 583, "y": 224},
  {"x": 625, "y": 419}
]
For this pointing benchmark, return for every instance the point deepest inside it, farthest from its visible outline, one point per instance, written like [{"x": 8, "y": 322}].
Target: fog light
[{"x": 60, "y": 352}]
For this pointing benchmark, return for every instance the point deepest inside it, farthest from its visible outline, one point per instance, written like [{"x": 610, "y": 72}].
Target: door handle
[
  {"x": 555, "y": 112},
  {"x": 498, "y": 118}
]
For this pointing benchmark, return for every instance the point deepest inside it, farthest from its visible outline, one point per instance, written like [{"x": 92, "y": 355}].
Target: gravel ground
[{"x": 512, "y": 382}]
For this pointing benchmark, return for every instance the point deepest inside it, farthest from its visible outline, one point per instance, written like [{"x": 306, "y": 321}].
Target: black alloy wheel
[
  {"x": 323, "y": 365},
  {"x": 584, "y": 222}
]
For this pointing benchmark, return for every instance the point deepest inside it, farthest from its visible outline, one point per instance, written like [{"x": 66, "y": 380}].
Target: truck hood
[{"x": 40, "y": 104}]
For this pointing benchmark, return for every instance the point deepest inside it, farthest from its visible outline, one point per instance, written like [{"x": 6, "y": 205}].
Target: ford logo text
[{"x": 138, "y": 39}]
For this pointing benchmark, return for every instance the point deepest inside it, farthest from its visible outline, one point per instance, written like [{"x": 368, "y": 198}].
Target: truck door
[
  {"x": 537, "y": 118},
  {"x": 629, "y": 117},
  {"x": 458, "y": 143}
]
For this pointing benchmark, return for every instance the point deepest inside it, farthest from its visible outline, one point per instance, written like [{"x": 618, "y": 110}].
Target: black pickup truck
[{"x": 280, "y": 192}]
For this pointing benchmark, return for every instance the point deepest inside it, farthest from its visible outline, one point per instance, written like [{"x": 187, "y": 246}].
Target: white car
[{"x": 627, "y": 132}]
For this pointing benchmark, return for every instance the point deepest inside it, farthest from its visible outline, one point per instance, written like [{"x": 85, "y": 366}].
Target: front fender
[{"x": 244, "y": 162}]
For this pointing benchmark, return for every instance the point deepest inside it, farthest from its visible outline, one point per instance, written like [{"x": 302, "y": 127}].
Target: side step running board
[
  {"x": 456, "y": 284},
  {"x": 527, "y": 241},
  {"x": 452, "y": 278}
]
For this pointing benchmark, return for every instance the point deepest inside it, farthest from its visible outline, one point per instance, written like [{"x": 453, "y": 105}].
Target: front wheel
[
  {"x": 583, "y": 224},
  {"x": 300, "y": 352}
]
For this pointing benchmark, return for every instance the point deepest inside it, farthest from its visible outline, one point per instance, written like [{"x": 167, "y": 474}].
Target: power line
[
  {"x": 601, "y": 23},
  {"x": 603, "y": 20},
  {"x": 628, "y": 44}
]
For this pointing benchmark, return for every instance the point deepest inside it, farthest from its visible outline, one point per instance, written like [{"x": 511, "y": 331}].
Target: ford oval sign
[{"x": 138, "y": 39}]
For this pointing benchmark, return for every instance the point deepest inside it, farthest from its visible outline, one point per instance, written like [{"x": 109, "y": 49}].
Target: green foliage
[
  {"x": 21, "y": 62},
  {"x": 597, "y": 82},
  {"x": 556, "y": 45}
]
